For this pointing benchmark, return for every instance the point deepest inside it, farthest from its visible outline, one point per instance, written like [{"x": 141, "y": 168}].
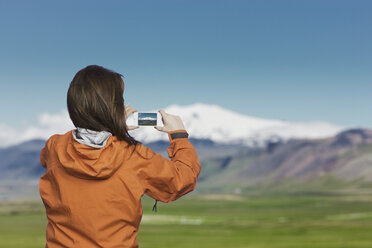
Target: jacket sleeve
[
  {"x": 44, "y": 152},
  {"x": 42, "y": 157},
  {"x": 166, "y": 180}
]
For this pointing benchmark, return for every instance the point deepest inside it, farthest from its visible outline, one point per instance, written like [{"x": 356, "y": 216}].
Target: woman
[{"x": 97, "y": 173}]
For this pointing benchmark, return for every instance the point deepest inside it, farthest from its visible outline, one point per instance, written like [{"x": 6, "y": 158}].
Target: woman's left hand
[{"x": 128, "y": 111}]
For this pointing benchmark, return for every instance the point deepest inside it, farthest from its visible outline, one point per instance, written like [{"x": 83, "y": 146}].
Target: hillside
[{"x": 341, "y": 163}]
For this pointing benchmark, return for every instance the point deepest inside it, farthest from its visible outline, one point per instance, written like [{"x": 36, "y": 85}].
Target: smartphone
[{"x": 147, "y": 119}]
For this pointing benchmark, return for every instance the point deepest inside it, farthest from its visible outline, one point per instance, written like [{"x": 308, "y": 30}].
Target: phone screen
[{"x": 147, "y": 119}]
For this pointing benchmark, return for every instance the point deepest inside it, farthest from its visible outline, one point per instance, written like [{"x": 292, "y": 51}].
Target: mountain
[
  {"x": 238, "y": 153},
  {"x": 223, "y": 126},
  {"x": 339, "y": 163},
  {"x": 21, "y": 169},
  {"x": 202, "y": 121},
  {"x": 21, "y": 161}
]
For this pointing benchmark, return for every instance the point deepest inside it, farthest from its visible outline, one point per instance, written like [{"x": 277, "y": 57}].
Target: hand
[
  {"x": 128, "y": 111},
  {"x": 171, "y": 122}
]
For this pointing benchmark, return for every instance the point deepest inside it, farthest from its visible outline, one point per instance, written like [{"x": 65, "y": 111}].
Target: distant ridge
[
  {"x": 342, "y": 163},
  {"x": 339, "y": 163}
]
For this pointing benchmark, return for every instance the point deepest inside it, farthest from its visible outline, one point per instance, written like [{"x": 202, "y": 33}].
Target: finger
[
  {"x": 160, "y": 128},
  {"x": 127, "y": 107},
  {"x": 162, "y": 112},
  {"x": 163, "y": 116},
  {"x": 132, "y": 110},
  {"x": 132, "y": 127}
]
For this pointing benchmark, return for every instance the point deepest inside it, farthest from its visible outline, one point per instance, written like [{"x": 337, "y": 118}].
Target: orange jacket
[{"x": 93, "y": 196}]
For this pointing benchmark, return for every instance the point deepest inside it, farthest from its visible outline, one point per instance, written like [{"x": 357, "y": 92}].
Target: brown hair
[{"x": 95, "y": 101}]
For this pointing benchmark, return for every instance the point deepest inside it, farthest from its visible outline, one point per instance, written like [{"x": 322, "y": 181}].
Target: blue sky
[{"x": 290, "y": 60}]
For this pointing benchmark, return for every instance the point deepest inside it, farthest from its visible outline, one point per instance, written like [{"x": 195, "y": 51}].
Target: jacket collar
[{"x": 96, "y": 139}]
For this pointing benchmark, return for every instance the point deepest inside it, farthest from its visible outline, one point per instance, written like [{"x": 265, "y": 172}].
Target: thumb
[{"x": 159, "y": 128}]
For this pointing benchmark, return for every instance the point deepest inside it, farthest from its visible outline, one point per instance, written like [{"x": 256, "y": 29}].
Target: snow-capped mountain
[
  {"x": 206, "y": 121},
  {"x": 202, "y": 121}
]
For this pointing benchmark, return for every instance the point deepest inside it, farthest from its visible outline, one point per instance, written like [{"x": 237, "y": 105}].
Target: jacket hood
[
  {"x": 82, "y": 157},
  {"x": 91, "y": 138}
]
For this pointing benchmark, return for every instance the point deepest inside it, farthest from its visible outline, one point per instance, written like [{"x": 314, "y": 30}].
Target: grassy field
[{"x": 271, "y": 221}]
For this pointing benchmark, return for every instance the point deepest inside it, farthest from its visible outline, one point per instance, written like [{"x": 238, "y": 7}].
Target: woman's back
[{"x": 93, "y": 195}]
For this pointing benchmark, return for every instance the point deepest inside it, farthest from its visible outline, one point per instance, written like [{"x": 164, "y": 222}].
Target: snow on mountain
[
  {"x": 203, "y": 121},
  {"x": 207, "y": 121}
]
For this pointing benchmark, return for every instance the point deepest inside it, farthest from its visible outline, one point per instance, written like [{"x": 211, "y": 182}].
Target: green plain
[{"x": 255, "y": 221}]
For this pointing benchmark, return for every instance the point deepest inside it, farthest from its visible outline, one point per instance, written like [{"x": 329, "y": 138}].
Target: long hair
[{"x": 95, "y": 101}]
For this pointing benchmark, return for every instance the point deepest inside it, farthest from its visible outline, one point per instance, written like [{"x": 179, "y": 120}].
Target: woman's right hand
[{"x": 171, "y": 122}]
